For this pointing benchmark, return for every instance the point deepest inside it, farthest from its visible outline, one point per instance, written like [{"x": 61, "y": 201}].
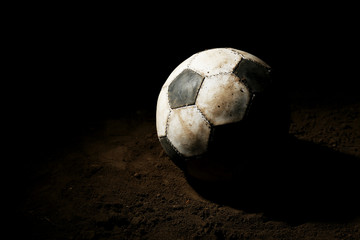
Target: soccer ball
[{"x": 213, "y": 106}]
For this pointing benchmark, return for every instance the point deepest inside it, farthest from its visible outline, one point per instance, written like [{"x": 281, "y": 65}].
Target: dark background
[
  {"x": 72, "y": 66},
  {"x": 83, "y": 63}
]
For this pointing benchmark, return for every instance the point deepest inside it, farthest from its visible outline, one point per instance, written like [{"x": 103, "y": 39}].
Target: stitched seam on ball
[
  {"x": 225, "y": 72},
  {"x": 256, "y": 62},
  {"x": 236, "y": 54},
  {"x": 197, "y": 92},
  {"x": 167, "y": 96},
  {"x": 208, "y": 123},
  {"x": 168, "y": 103},
  {"x": 209, "y": 126},
  {"x": 189, "y": 105},
  {"x": 189, "y": 63},
  {"x": 167, "y": 122},
  {"x": 177, "y": 151},
  {"x": 246, "y": 84},
  {"x": 221, "y": 73},
  {"x": 242, "y": 80}
]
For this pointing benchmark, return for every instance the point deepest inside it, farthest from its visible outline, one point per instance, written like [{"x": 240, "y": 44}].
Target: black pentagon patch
[
  {"x": 183, "y": 90},
  {"x": 256, "y": 76}
]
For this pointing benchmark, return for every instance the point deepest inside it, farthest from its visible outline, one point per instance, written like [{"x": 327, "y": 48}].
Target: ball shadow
[{"x": 290, "y": 180}]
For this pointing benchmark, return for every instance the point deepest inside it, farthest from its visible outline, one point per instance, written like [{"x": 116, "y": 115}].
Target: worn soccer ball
[{"x": 211, "y": 106}]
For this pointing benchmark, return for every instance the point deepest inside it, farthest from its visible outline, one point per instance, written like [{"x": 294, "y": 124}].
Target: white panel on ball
[
  {"x": 162, "y": 112},
  {"x": 223, "y": 99},
  {"x": 215, "y": 61},
  {"x": 188, "y": 131},
  {"x": 251, "y": 57}
]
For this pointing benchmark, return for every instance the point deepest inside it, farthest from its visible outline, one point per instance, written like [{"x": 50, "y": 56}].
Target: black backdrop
[
  {"x": 82, "y": 65},
  {"x": 73, "y": 65}
]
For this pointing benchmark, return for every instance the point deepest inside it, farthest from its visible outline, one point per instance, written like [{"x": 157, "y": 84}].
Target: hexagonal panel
[
  {"x": 223, "y": 99},
  {"x": 183, "y": 90},
  {"x": 188, "y": 131},
  {"x": 215, "y": 61},
  {"x": 162, "y": 112}
]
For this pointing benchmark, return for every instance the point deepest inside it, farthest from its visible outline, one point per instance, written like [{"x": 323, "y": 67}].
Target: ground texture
[{"x": 110, "y": 179}]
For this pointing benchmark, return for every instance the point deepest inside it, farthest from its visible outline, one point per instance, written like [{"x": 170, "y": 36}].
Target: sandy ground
[{"x": 110, "y": 179}]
